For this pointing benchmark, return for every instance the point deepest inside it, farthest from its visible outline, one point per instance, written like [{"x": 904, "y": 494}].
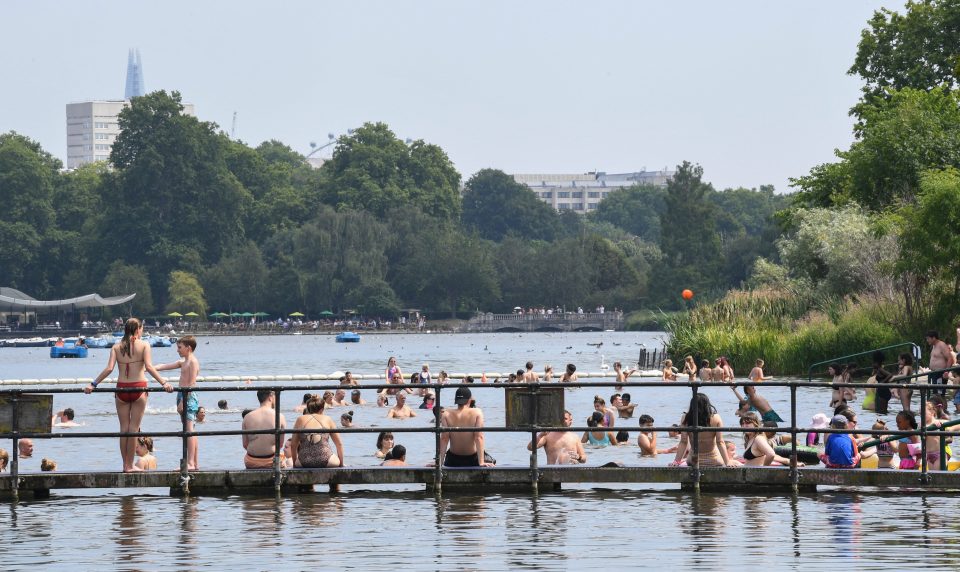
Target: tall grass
[{"x": 788, "y": 331}]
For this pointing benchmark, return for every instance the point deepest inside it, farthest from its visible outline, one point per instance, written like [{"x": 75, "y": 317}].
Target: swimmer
[
  {"x": 401, "y": 410},
  {"x": 346, "y": 420},
  {"x": 4, "y": 460},
  {"x": 466, "y": 449},
  {"x": 311, "y": 450},
  {"x": 146, "y": 461},
  {"x": 754, "y": 401},
  {"x": 669, "y": 372},
  {"x": 625, "y": 409},
  {"x": 690, "y": 368},
  {"x": 261, "y": 448},
  {"x": 622, "y": 376},
  {"x": 529, "y": 375},
  {"x": 647, "y": 440},
  {"x": 64, "y": 419},
  {"x": 561, "y": 447},
  {"x": 598, "y": 438},
  {"x": 570, "y": 374},
  {"x": 706, "y": 374},
  {"x": 727, "y": 370},
  {"x": 384, "y": 444},
  {"x": 303, "y": 404},
  {"x": 356, "y": 398},
  {"x": 222, "y": 404},
  {"x": 201, "y": 414},
  {"x": 397, "y": 457},
  {"x": 756, "y": 374},
  {"x": 48, "y": 465},
  {"x": 548, "y": 373},
  {"x": 340, "y": 398}
]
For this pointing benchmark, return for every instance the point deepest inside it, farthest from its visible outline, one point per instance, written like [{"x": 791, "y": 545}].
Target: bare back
[
  {"x": 131, "y": 367},
  {"x": 462, "y": 443}
]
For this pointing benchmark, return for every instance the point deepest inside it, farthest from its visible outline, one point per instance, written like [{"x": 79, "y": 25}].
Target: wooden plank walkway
[{"x": 741, "y": 479}]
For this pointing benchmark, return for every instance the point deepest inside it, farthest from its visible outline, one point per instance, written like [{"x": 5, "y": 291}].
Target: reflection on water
[{"x": 588, "y": 528}]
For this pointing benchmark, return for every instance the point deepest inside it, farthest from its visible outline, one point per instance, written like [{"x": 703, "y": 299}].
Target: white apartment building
[
  {"x": 92, "y": 128},
  {"x": 582, "y": 193}
]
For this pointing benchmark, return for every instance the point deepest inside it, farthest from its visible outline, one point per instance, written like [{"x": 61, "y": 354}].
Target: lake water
[{"x": 583, "y": 527}]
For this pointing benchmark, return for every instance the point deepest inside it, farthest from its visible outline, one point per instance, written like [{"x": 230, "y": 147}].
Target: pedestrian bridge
[{"x": 564, "y": 322}]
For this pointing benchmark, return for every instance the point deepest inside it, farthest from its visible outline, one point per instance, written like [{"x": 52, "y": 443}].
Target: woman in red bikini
[{"x": 132, "y": 358}]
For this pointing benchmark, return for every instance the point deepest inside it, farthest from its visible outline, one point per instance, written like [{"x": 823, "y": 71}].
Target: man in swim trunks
[
  {"x": 401, "y": 410},
  {"x": 757, "y": 402},
  {"x": 529, "y": 375},
  {"x": 562, "y": 447},
  {"x": 940, "y": 358},
  {"x": 466, "y": 448},
  {"x": 187, "y": 402},
  {"x": 261, "y": 448}
]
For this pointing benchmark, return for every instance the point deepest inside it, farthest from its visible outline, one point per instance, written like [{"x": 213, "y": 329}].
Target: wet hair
[
  {"x": 907, "y": 358},
  {"x": 398, "y": 452},
  {"x": 263, "y": 395},
  {"x": 571, "y": 368},
  {"x": 645, "y": 419},
  {"x": 617, "y": 365},
  {"x": 348, "y": 416},
  {"x": 48, "y": 464},
  {"x": 595, "y": 419},
  {"x": 327, "y": 394},
  {"x": 529, "y": 365},
  {"x": 511, "y": 378},
  {"x": 245, "y": 412},
  {"x": 752, "y": 420},
  {"x": 130, "y": 329},
  {"x": 625, "y": 397},
  {"x": 415, "y": 377},
  {"x": 222, "y": 404},
  {"x": 468, "y": 379},
  {"x": 68, "y": 413},
  {"x": 704, "y": 363},
  {"x": 146, "y": 442},
  {"x": 520, "y": 373},
  {"x": 597, "y": 399},
  {"x": 622, "y": 436},
  {"x": 759, "y": 362},
  {"x": 314, "y": 405},
  {"x": 616, "y": 396},
  {"x": 383, "y": 435},
  {"x": 909, "y": 417},
  {"x": 188, "y": 341},
  {"x": 705, "y": 410},
  {"x": 306, "y": 398}
]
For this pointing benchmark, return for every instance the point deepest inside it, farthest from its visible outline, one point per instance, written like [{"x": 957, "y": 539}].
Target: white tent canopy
[{"x": 16, "y": 301}]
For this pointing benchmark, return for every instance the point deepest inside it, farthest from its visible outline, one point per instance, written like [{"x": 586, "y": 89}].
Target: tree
[
  {"x": 374, "y": 298},
  {"x": 122, "y": 279},
  {"x": 238, "y": 281},
  {"x": 495, "y": 206},
  {"x": 172, "y": 201},
  {"x": 689, "y": 241},
  {"x": 925, "y": 248},
  {"x": 635, "y": 209},
  {"x": 918, "y": 49},
  {"x": 373, "y": 170},
  {"x": 185, "y": 294}
]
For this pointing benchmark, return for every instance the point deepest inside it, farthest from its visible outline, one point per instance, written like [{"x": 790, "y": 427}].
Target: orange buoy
[{"x": 687, "y": 294}]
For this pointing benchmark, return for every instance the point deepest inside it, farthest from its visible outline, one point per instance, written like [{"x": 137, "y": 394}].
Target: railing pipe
[
  {"x": 277, "y": 443},
  {"x": 184, "y": 460},
  {"x": 15, "y": 465},
  {"x": 914, "y": 347},
  {"x": 794, "y": 473}
]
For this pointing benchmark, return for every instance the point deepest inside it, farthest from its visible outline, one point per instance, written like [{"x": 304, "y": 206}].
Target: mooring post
[
  {"x": 437, "y": 469},
  {"x": 794, "y": 473},
  {"x": 184, "y": 473},
  {"x": 15, "y": 464},
  {"x": 277, "y": 443}
]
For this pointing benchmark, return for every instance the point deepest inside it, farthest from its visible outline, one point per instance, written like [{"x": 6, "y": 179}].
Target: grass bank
[
  {"x": 786, "y": 330},
  {"x": 650, "y": 320}
]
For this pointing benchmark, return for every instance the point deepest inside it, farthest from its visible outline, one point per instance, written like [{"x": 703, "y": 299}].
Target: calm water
[{"x": 582, "y": 527}]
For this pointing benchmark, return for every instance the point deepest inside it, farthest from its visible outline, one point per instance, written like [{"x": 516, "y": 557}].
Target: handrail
[
  {"x": 533, "y": 427},
  {"x": 913, "y": 346}
]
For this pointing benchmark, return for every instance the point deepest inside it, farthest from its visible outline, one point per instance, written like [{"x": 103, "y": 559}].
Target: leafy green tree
[
  {"x": 238, "y": 281},
  {"x": 123, "y": 279},
  {"x": 635, "y": 209},
  {"x": 926, "y": 249},
  {"x": 917, "y": 49},
  {"x": 185, "y": 294},
  {"x": 495, "y": 206},
  {"x": 172, "y": 200},
  {"x": 374, "y": 298},
  {"x": 688, "y": 239},
  {"x": 373, "y": 170}
]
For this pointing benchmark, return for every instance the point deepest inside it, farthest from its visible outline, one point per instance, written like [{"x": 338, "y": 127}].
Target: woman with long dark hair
[
  {"x": 712, "y": 451},
  {"x": 132, "y": 358}
]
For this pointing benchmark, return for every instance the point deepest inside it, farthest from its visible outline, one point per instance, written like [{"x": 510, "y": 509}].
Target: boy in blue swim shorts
[{"x": 187, "y": 402}]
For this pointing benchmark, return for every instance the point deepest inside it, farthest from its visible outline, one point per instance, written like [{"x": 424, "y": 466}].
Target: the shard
[{"x": 134, "y": 75}]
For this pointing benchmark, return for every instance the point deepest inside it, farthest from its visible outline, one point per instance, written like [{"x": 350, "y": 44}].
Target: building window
[
  {"x": 103, "y": 147},
  {"x": 578, "y": 207},
  {"x": 593, "y": 195},
  {"x": 547, "y": 194},
  {"x": 564, "y": 206},
  {"x": 563, "y": 194},
  {"x": 592, "y": 206},
  {"x": 577, "y": 194},
  {"x": 88, "y": 147}
]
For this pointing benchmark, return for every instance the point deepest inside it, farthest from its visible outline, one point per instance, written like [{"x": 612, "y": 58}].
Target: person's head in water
[
  {"x": 346, "y": 420},
  {"x": 314, "y": 405},
  {"x": 355, "y": 396},
  {"x": 222, "y": 404},
  {"x": 595, "y": 419},
  {"x": 571, "y": 369},
  {"x": 384, "y": 441}
]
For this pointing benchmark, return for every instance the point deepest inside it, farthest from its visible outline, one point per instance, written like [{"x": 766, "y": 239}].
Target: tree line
[{"x": 191, "y": 220}]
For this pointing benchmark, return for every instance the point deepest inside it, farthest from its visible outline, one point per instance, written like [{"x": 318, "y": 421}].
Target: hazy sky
[{"x": 756, "y": 92}]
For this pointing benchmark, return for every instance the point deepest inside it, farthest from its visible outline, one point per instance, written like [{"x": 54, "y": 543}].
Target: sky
[{"x": 756, "y": 92}]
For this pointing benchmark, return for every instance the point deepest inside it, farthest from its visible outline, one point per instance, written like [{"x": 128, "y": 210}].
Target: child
[
  {"x": 187, "y": 400},
  {"x": 669, "y": 372},
  {"x": 841, "y": 449},
  {"x": 819, "y": 421},
  {"x": 908, "y": 447},
  {"x": 690, "y": 368},
  {"x": 756, "y": 374},
  {"x": 885, "y": 451},
  {"x": 146, "y": 462}
]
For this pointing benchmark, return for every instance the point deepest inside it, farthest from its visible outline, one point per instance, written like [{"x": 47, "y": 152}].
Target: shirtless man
[
  {"x": 340, "y": 398},
  {"x": 261, "y": 448},
  {"x": 189, "y": 369},
  {"x": 400, "y": 410},
  {"x": 625, "y": 411},
  {"x": 347, "y": 379},
  {"x": 622, "y": 376},
  {"x": 754, "y": 400},
  {"x": 529, "y": 375},
  {"x": 718, "y": 373},
  {"x": 465, "y": 448},
  {"x": 562, "y": 447},
  {"x": 940, "y": 358},
  {"x": 64, "y": 419},
  {"x": 706, "y": 373},
  {"x": 397, "y": 457},
  {"x": 647, "y": 440}
]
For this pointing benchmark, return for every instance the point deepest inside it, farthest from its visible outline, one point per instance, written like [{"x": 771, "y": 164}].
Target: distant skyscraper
[{"x": 134, "y": 75}]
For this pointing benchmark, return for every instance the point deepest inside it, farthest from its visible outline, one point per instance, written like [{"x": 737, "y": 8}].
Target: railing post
[
  {"x": 15, "y": 464},
  {"x": 277, "y": 442},
  {"x": 534, "y": 471},
  {"x": 437, "y": 468},
  {"x": 695, "y": 440},
  {"x": 184, "y": 475},
  {"x": 794, "y": 474},
  {"x": 924, "y": 477}
]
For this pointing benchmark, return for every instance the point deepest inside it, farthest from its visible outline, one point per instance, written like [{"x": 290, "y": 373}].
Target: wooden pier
[{"x": 482, "y": 480}]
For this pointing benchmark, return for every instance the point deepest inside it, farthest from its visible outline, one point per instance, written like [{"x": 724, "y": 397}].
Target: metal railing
[
  {"x": 692, "y": 432},
  {"x": 914, "y": 350}
]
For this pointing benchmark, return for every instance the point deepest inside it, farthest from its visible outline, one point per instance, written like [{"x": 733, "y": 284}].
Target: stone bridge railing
[{"x": 566, "y": 322}]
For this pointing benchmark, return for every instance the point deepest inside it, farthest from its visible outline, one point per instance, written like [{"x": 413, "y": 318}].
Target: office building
[{"x": 582, "y": 193}]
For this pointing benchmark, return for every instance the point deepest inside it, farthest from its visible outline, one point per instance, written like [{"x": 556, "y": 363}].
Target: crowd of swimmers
[{"x": 316, "y": 443}]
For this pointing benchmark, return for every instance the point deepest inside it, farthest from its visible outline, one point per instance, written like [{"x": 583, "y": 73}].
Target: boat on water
[
  {"x": 28, "y": 342},
  {"x": 159, "y": 341},
  {"x": 348, "y": 337},
  {"x": 101, "y": 342},
  {"x": 68, "y": 351}
]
